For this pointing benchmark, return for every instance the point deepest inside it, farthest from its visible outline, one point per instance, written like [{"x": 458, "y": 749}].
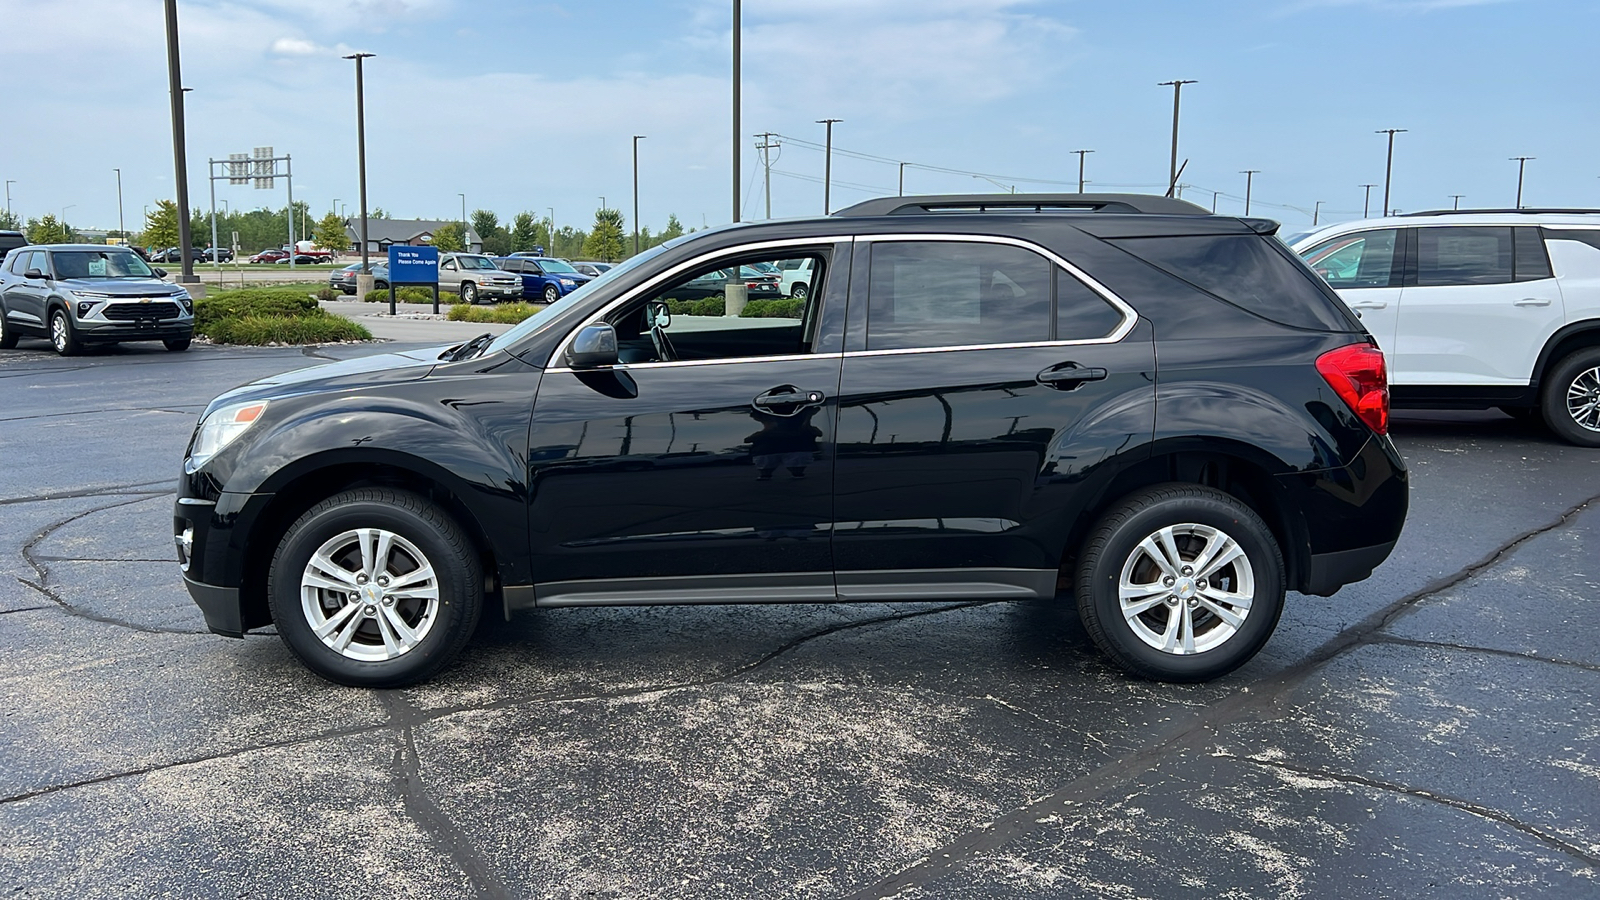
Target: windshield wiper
[{"x": 469, "y": 349}]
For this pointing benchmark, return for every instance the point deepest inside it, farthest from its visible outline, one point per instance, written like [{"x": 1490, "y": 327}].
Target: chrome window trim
[{"x": 1130, "y": 316}]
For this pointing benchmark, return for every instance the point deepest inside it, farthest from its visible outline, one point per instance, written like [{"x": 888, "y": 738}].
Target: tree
[
  {"x": 673, "y": 230},
  {"x": 10, "y": 221},
  {"x": 378, "y": 212},
  {"x": 449, "y": 238},
  {"x": 49, "y": 231},
  {"x": 330, "y": 233},
  {"x": 524, "y": 232},
  {"x": 605, "y": 239},
  {"x": 161, "y": 225}
]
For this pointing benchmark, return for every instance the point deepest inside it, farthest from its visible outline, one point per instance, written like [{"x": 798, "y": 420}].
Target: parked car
[
  {"x": 81, "y": 294},
  {"x": 536, "y": 251},
  {"x": 11, "y": 240},
  {"x": 175, "y": 255},
  {"x": 475, "y": 276},
  {"x": 217, "y": 254},
  {"x": 544, "y": 279},
  {"x": 345, "y": 279},
  {"x": 795, "y": 280},
  {"x": 759, "y": 285},
  {"x": 1478, "y": 308},
  {"x": 270, "y": 255},
  {"x": 593, "y": 269},
  {"x": 977, "y": 413},
  {"x": 301, "y": 259}
]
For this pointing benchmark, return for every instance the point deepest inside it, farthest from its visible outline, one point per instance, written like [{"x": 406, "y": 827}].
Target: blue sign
[{"x": 413, "y": 265}]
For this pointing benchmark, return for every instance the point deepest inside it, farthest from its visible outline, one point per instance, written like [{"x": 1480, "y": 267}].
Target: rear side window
[
  {"x": 1247, "y": 271},
  {"x": 947, "y": 293},
  {"x": 1533, "y": 261},
  {"x": 1464, "y": 255},
  {"x": 1081, "y": 314}
]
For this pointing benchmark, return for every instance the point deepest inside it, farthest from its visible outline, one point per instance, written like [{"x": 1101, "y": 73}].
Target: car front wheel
[
  {"x": 1180, "y": 583},
  {"x": 469, "y": 292},
  {"x": 62, "y": 335},
  {"x": 798, "y": 290},
  {"x": 177, "y": 345},
  {"x": 375, "y": 588},
  {"x": 551, "y": 293},
  {"x": 1571, "y": 401}
]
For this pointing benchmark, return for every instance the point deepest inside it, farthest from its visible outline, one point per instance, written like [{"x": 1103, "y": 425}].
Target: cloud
[{"x": 297, "y": 47}]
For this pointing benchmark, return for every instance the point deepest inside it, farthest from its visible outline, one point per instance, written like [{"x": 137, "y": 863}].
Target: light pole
[
  {"x": 1316, "y": 213},
  {"x": 636, "y": 139},
  {"x": 1214, "y": 195},
  {"x": 737, "y": 130},
  {"x": 1249, "y": 182},
  {"x": 1177, "y": 95},
  {"x": 1366, "y": 203},
  {"x": 1388, "y": 169},
  {"x": 64, "y": 212},
  {"x": 1081, "y": 155},
  {"x": 9, "y": 183},
  {"x": 1456, "y": 200},
  {"x": 361, "y": 156},
  {"x": 552, "y": 230},
  {"x": 827, "y": 167},
  {"x": 1522, "y": 166},
  {"x": 121, "y": 225},
  {"x": 180, "y": 163},
  {"x": 902, "y": 179},
  {"x": 464, "y": 222}
]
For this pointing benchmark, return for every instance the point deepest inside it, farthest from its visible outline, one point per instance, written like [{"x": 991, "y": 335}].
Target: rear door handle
[
  {"x": 1532, "y": 301},
  {"x": 787, "y": 395},
  {"x": 1069, "y": 375},
  {"x": 1368, "y": 304}
]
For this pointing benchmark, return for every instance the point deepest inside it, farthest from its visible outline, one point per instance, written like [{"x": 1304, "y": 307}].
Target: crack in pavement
[
  {"x": 1187, "y": 735},
  {"x": 96, "y": 412},
  {"x": 7, "y": 612},
  {"x": 115, "y": 490},
  {"x": 424, "y": 812},
  {"x": 92, "y": 559},
  {"x": 1477, "y": 809},
  {"x": 1492, "y": 651}
]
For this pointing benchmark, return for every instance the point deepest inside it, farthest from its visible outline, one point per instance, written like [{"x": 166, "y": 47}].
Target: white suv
[{"x": 1478, "y": 308}]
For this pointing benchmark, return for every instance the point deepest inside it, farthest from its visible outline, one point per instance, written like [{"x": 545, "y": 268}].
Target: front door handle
[
  {"x": 1069, "y": 375},
  {"x": 787, "y": 400},
  {"x": 1368, "y": 304},
  {"x": 1533, "y": 301}
]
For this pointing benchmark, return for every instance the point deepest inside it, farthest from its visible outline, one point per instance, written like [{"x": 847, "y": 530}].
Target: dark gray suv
[{"x": 78, "y": 294}]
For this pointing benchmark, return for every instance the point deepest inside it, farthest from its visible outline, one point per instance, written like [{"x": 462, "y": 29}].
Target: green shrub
[
  {"x": 322, "y": 328},
  {"x": 288, "y": 301},
  {"x": 408, "y": 294},
  {"x": 328, "y": 294},
  {"x": 705, "y": 306},
  {"x": 507, "y": 314},
  {"x": 774, "y": 309}
]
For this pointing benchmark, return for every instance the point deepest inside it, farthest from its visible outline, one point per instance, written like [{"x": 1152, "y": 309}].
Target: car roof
[{"x": 1460, "y": 218}]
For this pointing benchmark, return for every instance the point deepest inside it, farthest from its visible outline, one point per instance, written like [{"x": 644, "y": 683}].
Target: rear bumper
[
  {"x": 1331, "y": 571},
  {"x": 1351, "y": 517}
]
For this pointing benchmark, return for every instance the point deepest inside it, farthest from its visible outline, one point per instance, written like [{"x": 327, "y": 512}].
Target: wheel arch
[{"x": 1576, "y": 336}]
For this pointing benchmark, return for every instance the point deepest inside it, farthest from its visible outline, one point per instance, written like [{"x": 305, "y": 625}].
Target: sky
[{"x": 529, "y": 105}]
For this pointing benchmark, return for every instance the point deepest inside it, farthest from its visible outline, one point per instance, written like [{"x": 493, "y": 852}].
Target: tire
[
  {"x": 469, "y": 292},
  {"x": 378, "y": 286},
  {"x": 318, "y": 579},
  {"x": 1571, "y": 398},
  {"x": 62, "y": 335},
  {"x": 8, "y": 335},
  {"x": 798, "y": 291},
  {"x": 177, "y": 345},
  {"x": 551, "y": 293},
  {"x": 1115, "y": 557}
]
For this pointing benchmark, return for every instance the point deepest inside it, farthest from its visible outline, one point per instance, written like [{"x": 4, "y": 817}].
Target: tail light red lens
[{"x": 1357, "y": 374}]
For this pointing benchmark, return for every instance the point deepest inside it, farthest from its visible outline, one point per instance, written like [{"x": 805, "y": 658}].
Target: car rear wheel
[
  {"x": 1571, "y": 401},
  {"x": 177, "y": 345},
  {"x": 469, "y": 292},
  {"x": 375, "y": 588},
  {"x": 8, "y": 335},
  {"x": 1180, "y": 583},
  {"x": 797, "y": 291},
  {"x": 551, "y": 293},
  {"x": 62, "y": 335}
]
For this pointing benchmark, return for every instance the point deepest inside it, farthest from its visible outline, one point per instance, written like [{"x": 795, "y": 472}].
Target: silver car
[
  {"x": 473, "y": 276},
  {"x": 78, "y": 294}
]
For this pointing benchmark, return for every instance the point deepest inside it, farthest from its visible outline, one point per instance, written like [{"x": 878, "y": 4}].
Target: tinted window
[
  {"x": 1081, "y": 314},
  {"x": 1464, "y": 255},
  {"x": 1364, "y": 259},
  {"x": 942, "y": 294},
  {"x": 1246, "y": 271},
  {"x": 511, "y": 265},
  {"x": 1533, "y": 262}
]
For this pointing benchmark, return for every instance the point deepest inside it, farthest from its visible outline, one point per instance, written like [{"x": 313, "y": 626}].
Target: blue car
[{"x": 544, "y": 279}]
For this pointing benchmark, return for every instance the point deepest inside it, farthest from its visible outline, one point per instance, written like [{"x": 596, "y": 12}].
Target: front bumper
[
  {"x": 106, "y": 332},
  {"x": 210, "y": 536},
  {"x": 219, "y": 605}
]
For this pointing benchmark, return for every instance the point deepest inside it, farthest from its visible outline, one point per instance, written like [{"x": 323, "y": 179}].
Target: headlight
[
  {"x": 91, "y": 295},
  {"x": 181, "y": 294},
  {"x": 222, "y": 428},
  {"x": 568, "y": 282}
]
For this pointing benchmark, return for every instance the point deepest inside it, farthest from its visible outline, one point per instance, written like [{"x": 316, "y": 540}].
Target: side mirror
[
  {"x": 33, "y": 273},
  {"x": 160, "y": 272},
  {"x": 594, "y": 346}
]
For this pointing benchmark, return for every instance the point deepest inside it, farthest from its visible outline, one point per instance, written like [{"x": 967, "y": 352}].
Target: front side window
[
  {"x": 556, "y": 267},
  {"x": 476, "y": 262},
  {"x": 1361, "y": 260},
  {"x": 1464, "y": 255},
  {"x": 953, "y": 293}
]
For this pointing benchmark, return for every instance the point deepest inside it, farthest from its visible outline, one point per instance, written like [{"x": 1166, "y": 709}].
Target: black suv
[{"x": 982, "y": 397}]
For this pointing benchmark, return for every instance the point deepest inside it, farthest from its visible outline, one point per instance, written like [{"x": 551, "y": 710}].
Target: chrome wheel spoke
[
  {"x": 1158, "y": 555},
  {"x": 1188, "y": 629},
  {"x": 1169, "y": 638},
  {"x": 347, "y": 634},
  {"x": 317, "y": 580},
  {"x": 421, "y": 574},
  {"x": 324, "y": 565},
  {"x": 1220, "y": 552},
  {"x": 330, "y": 626},
  {"x": 1233, "y": 619},
  {"x": 391, "y": 622}
]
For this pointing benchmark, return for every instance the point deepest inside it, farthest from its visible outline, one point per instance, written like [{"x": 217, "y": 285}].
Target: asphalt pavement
[{"x": 1433, "y": 731}]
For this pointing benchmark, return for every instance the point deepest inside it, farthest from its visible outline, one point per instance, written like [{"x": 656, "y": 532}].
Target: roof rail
[
  {"x": 1529, "y": 211},
  {"x": 1039, "y": 203}
]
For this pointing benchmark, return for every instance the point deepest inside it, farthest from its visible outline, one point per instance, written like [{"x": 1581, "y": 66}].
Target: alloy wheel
[
  {"x": 1186, "y": 589},
  {"x": 369, "y": 594},
  {"x": 1583, "y": 399}
]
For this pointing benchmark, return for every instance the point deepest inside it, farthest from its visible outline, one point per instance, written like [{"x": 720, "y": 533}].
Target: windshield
[
  {"x": 551, "y": 313},
  {"x": 557, "y": 267},
  {"x": 476, "y": 262},
  {"x": 99, "y": 264}
]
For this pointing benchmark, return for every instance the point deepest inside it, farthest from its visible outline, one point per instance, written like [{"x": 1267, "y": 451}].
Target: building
[{"x": 408, "y": 232}]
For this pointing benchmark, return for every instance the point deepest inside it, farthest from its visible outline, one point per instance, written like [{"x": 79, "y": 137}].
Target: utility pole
[
  {"x": 1388, "y": 169},
  {"x": 1366, "y": 204},
  {"x": 1522, "y": 166},
  {"x": 1081, "y": 155},
  {"x": 121, "y": 226},
  {"x": 1316, "y": 213},
  {"x": 464, "y": 221},
  {"x": 636, "y": 139},
  {"x": 1177, "y": 95},
  {"x": 1214, "y": 195},
  {"x": 180, "y": 163},
  {"x": 361, "y": 155},
  {"x": 737, "y": 130},
  {"x": 1456, "y": 200},
  {"x": 766, "y": 147},
  {"x": 9, "y": 183},
  {"x": 827, "y": 167},
  {"x": 1249, "y": 181},
  {"x": 902, "y": 179},
  {"x": 552, "y": 250}
]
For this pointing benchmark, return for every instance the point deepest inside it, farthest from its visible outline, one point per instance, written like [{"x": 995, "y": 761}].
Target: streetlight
[
  {"x": 1010, "y": 188},
  {"x": 902, "y": 179},
  {"x": 464, "y": 221},
  {"x": 1456, "y": 200},
  {"x": 9, "y": 183},
  {"x": 552, "y": 251},
  {"x": 64, "y": 209},
  {"x": 335, "y": 208},
  {"x": 737, "y": 27},
  {"x": 180, "y": 163},
  {"x": 1177, "y": 95},
  {"x": 361, "y": 157},
  {"x": 636, "y": 139},
  {"x": 121, "y": 226},
  {"x": 1366, "y": 204},
  {"x": 827, "y": 166},
  {"x": 1316, "y": 213},
  {"x": 1388, "y": 170},
  {"x": 1214, "y": 195},
  {"x": 1249, "y": 181},
  {"x": 1522, "y": 165},
  {"x": 1081, "y": 155}
]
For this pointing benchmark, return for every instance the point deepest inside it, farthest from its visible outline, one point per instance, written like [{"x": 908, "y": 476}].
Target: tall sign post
[
  {"x": 413, "y": 265},
  {"x": 261, "y": 167}
]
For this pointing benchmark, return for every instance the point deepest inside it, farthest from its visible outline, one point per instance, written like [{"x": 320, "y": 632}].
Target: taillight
[{"x": 1357, "y": 374}]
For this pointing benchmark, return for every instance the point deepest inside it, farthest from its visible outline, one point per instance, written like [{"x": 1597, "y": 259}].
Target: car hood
[
  {"x": 122, "y": 287},
  {"x": 384, "y": 368}
]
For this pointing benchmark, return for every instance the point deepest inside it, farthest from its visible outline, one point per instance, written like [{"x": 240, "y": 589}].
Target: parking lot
[{"x": 1432, "y": 731}]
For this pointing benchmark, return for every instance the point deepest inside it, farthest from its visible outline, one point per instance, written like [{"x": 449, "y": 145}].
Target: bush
[
  {"x": 328, "y": 294},
  {"x": 286, "y": 302},
  {"x": 405, "y": 295},
  {"x": 774, "y": 309},
  {"x": 322, "y": 328},
  {"x": 506, "y": 314},
  {"x": 706, "y": 306}
]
